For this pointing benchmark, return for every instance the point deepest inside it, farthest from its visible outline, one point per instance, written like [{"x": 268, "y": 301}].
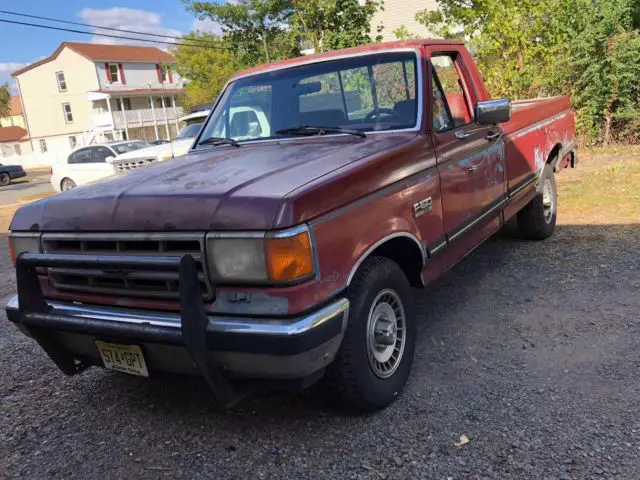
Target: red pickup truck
[{"x": 284, "y": 246}]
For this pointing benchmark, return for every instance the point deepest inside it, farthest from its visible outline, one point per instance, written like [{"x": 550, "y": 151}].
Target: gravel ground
[{"x": 529, "y": 349}]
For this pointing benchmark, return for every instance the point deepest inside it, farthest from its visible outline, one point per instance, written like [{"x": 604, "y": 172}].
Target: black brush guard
[{"x": 34, "y": 312}]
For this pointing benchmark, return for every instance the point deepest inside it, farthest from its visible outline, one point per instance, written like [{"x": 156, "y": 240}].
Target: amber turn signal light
[{"x": 289, "y": 258}]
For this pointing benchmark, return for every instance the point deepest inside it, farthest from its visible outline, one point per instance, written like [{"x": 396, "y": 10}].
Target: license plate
[{"x": 123, "y": 358}]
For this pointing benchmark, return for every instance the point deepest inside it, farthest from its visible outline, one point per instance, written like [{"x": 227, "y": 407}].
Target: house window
[
  {"x": 68, "y": 116},
  {"x": 164, "y": 74},
  {"x": 62, "y": 83},
  {"x": 114, "y": 73},
  {"x": 18, "y": 149},
  {"x": 73, "y": 142},
  {"x": 43, "y": 145}
]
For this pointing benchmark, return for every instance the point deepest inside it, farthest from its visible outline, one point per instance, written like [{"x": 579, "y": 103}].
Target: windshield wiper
[
  {"x": 219, "y": 141},
  {"x": 308, "y": 130}
]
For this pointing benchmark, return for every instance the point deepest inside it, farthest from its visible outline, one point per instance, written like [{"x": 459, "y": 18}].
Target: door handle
[
  {"x": 491, "y": 136},
  {"x": 461, "y": 134}
]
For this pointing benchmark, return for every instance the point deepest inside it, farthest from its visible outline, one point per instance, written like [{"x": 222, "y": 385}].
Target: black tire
[
  {"x": 67, "y": 184},
  {"x": 537, "y": 220},
  {"x": 351, "y": 378},
  {"x": 5, "y": 179}
]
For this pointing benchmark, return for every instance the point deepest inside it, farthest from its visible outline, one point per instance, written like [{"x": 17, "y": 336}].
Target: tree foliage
[
  {"x": 5, "y": 100},
  {"x": 262, "y": 31},
  {"x": 206, "y": 69},
  {"x": 526, "y": 48}
]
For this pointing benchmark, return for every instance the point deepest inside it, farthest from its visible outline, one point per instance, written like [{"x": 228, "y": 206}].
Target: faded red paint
[{"x": 352, "y": 192}]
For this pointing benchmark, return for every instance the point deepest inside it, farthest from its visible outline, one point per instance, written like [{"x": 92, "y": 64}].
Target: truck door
[{"x": 470, "y": 156}]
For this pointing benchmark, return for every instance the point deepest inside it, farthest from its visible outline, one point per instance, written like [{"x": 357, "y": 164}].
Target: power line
[
  {"x": 96, "y": 26},
  {"x": 199, "y": 45}
]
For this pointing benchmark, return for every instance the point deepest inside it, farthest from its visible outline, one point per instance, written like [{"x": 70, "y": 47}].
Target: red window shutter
[
  {"x": 159, "y": 73},
  {"x": 170, "y": 75},
  {"x": 122, "y": 74},
  {"x": 106, "y": 69}
]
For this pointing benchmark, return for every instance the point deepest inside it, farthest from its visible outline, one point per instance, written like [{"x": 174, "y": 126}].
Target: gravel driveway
[{"x": 531, "y": 350}]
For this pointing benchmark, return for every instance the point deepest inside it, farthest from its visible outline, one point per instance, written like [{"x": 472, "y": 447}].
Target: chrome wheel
[
  {"x": 386, "y": 333},
  {"x": 67, "y": 184},
  {"x": 548, "y": 200}
]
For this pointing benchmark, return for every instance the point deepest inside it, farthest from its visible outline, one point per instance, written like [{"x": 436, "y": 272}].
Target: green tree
[
  {"x": 5, "y": 101},
  {"x": 604, "y": 69},
  {"x": 206, "y": 69},
  {"x": 402, "y": 33},
  {"x": 253, "y": 28},
  {"x": 510, "y": 38},
  {"x": 526, "y": 48}
]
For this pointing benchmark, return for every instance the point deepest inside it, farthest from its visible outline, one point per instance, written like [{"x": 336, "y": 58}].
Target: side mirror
[
  {"x": 493, "y": 112},
  {"x": 110, "y": 159}
]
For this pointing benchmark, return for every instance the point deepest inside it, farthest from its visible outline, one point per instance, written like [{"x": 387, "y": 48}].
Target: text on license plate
[{"x": 123, "y": 358}]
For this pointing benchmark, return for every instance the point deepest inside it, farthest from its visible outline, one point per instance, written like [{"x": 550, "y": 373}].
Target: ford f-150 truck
[{"x": 288, "y": 255}]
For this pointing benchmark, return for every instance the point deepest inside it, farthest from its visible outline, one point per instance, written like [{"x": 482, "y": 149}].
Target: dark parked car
[{"x": 10, "y": 172}]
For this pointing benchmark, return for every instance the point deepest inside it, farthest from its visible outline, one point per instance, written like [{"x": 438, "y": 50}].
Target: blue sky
[{"x": 22, "y": 45}]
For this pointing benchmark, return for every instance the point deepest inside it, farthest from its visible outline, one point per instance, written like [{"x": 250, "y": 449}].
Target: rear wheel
[
  {"x": 374, "y": 360},
  {"x": 537, "y": 220},
  {"x": 5, "y": 179},
  {"x": 67, "y": 184}
]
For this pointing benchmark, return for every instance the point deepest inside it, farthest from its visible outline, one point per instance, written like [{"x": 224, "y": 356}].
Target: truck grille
[
  {"x": 124, "y": 166},
  {"x": 130, "y": 282}
]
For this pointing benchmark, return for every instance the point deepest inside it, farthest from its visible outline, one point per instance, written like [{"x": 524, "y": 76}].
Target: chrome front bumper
[
  {"x": 282, "y": 348},
  {"x": 191, "y": 341}
]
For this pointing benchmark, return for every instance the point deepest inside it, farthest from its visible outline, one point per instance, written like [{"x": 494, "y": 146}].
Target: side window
[
  {"x": 81, "y": 156},
  {"x": 100, "y": 154},
  {"x": 447, "y": 75},
  {"x": 441, "y": 117}
]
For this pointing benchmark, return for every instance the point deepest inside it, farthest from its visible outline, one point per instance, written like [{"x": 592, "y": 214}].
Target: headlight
[
  {"x": 23, "y": 242},
  {"x": 237, "y": 259},
  {"x": 281, "y": 257}
]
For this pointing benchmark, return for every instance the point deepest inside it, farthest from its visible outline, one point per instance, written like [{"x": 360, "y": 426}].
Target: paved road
[
  {"x": 35, "y": 183},
  {"x": 531, "y": 349}
]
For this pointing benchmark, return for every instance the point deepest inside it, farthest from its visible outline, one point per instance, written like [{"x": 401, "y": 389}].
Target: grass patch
[{"x": 605, "y": 189}]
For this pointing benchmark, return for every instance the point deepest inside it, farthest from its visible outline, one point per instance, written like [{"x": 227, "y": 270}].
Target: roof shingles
[
  {"x": 107, "y": 53},
  {"x": 11, "y": 134}
]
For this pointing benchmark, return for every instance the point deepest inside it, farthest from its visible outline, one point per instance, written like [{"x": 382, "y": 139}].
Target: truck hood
[
  {"x": 164, "y": 151},
  {"x": 220, "y": 188}
]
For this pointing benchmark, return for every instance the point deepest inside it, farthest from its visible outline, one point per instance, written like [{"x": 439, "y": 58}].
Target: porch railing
[{"x": 144, "y": 117}]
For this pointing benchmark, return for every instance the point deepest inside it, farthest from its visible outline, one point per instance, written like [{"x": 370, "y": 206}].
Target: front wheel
[
  {"x": 67, "y": 184},
  {"x": 5, "y": 179},
  {"x": 374, "y": 360},
  {"x": 537, "y": 220}
]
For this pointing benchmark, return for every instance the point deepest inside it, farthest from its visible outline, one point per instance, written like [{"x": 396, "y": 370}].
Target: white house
[
  {"x": 401, "y": 12},
  {"x": 86, "y": 93}
]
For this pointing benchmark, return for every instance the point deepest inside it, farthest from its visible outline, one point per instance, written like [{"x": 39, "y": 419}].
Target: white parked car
[
  {"x": 244, "y": 122},
  {"x": 87, "y": 164},
  {"x": 178, "y": 146}
]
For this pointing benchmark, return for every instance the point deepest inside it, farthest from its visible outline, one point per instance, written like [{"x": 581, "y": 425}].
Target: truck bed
[{"x": 539, "y": 130}]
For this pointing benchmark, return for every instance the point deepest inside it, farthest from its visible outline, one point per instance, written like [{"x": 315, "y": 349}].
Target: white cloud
[
  {"x": 7, "y": 69},
  {"x": 206, "y": 26},
  {"x": 127, "y": 19}
]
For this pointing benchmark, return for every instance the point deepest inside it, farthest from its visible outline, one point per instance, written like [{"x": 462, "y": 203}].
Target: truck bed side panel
[{"x": 536, "y": 128}]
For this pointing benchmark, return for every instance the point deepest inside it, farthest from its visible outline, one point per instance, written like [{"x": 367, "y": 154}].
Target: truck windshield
[{"x": 367, "y": 93}]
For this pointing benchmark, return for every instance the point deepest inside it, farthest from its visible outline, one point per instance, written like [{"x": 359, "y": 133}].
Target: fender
[{"x": 398, "y": 234}]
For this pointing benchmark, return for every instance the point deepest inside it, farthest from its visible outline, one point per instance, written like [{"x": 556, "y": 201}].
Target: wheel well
[
  {"x": 406, "y": 253},
  {"x": 554, "y": 154},
  {"x": 62, "y": 181}
]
